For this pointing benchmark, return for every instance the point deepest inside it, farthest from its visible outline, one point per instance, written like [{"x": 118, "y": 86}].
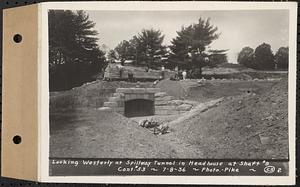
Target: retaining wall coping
[
  {"x": 153, "y": 90},
  {"x": 137, "y": 90}
]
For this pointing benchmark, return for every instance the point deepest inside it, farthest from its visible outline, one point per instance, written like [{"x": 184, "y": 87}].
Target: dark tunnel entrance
[{"x": 139, "y": 107}]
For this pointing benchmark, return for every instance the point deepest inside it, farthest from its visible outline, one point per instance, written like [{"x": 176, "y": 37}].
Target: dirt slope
[
  {"x": 95, "y": 134},
  {"x": 245, "y": 126}
]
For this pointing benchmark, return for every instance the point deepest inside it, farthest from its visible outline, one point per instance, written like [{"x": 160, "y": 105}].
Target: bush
[
  {"x": 282, "y": 58},
  {"x": 246, "y": 57},
  {"x": 264, "y": 58}
]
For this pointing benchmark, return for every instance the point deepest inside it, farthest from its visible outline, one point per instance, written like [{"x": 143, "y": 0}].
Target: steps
[{"x": 167, "y": 105}]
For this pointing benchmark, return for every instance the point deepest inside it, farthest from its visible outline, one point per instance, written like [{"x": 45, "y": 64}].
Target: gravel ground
[{"x": 95, "y": 134}]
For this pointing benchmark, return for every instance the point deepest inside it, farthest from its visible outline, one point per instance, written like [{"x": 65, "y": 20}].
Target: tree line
[
  {"x": 262, "y": 58},
  {"x": 189, "y": 50},
  {"x": 75, "y": 56}
]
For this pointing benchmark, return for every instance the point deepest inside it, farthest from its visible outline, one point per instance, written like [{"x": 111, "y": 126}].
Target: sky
[{"x": 238, "y": 28}]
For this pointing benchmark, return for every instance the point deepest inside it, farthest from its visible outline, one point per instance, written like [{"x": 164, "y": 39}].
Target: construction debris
[{"x": 154, "y": 126}]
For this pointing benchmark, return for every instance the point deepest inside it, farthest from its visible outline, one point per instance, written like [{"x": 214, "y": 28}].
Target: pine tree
[
  {"x": 149, "y": 48},
  {"x": 189, "y": 48},
  {"x": 74, "y": 54}
]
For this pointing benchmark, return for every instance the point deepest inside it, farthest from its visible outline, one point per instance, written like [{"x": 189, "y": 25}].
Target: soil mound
[
  {"x": 95, "y": 134},
  {"x": 245, "y": 126}
]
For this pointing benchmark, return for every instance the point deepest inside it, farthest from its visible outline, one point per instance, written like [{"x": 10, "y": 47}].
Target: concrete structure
[{"x": 133, "y": 102}]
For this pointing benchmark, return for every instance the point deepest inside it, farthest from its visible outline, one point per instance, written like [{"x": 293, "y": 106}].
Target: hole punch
[
  {"x": 17, "y": 38},
  {"x": 17, "y": 139}
]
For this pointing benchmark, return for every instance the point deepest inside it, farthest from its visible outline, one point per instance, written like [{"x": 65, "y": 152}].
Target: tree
[
  {"x": 112, "y": 56},
  {"x": 188, "y": 49},
  {"x": 264, "y": 58},
  {"x": 122, "y": 51},
  {"x": 74, "y": 54},
  {"x": 282, "y": 58},
  {"x": 145, "y": 48},
  {"x": 133, "y": 50},
  {"x": 246, "y": 57},
  {"x": 149, "y": 48}
]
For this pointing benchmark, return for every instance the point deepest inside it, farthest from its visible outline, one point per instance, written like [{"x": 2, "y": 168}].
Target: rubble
[{"x": 154, "y": 126}]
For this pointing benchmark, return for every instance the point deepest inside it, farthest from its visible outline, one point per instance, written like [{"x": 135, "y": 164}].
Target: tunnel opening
[{"x": 139, "y": 107}]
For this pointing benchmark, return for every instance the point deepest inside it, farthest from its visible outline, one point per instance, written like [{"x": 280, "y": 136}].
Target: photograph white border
[{"x": 159, "y": 6}]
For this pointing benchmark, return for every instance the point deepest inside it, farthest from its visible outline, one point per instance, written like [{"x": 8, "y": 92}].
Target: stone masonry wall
[{"x": 163, "y": 103}]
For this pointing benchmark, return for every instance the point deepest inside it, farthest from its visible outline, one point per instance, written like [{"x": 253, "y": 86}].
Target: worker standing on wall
[
  {"x": 130, "y": 76},
  {"x": 177, "y": 73},
  {"x": 120, "y": 68},
  {"x": 184, "y": 74},
  {"x": 162, "y": 72}
]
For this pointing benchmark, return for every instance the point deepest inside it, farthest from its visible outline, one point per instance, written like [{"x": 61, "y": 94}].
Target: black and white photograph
[{"x": 169, "y": 84}]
